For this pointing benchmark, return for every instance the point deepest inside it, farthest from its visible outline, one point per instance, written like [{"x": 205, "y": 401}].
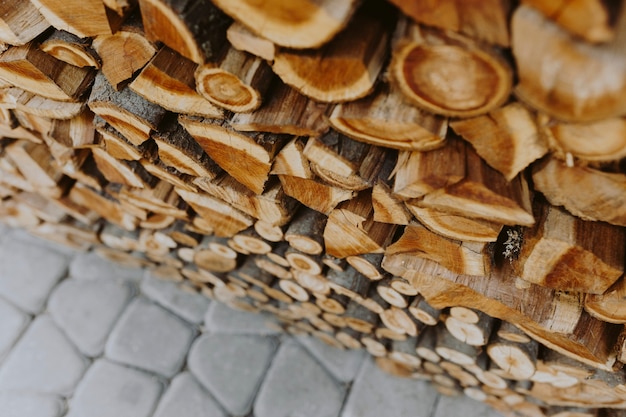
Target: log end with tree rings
[
  {"x": 226, "y": 90},
  {"x": 452, "y": 80}
]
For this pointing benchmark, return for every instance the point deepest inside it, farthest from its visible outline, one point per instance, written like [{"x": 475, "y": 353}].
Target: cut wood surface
[{"x": 363, "y": 172}]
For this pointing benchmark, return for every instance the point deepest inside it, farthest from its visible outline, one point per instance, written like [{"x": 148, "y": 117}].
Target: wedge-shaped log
[
  {"x": 507, "y": 138},
  {"x": 386, "y": 119},
  {"x": 470, "y": 258},
  {"x": 351, "y": 229},
  {"x": 130, "y": 38},
  {"x": 246, "y": 157},
  {"x": 427, "y": 62},
  {"x": 195, "y": 29},
  {"x": 21, "y": 22},
  {"x": 484, "y": 20},
  {"x": 69, "y": 48},
  {"x": 484, "y": 194},
  {"x": 295, "y": 24},
  {"x": 80, "y": 17},
  {"x": 585, "y": 192},
  {"x": 33, "y": 70},
  {"x": 567, "y": 253},
  {"x": 346, "y": 68},
  {"x": 129, "y": 113}
]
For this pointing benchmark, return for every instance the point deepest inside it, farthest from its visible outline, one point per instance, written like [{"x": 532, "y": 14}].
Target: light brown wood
[
  {"x": 388, "y": 208},
  {"x": 297, "y": 24},
  {"x": 69, "y": 48},
  {"x": 130, "y": 38},
  {"x": 567, "y": 253},
  {"x": 82, "y": 18},
  {"x": 567, "y": 88},
  {"x": 425, "y": 59},
  {"x": 345, "y": 68},
  {"x": 384, "y": 118},
  {"x": 285, "y": 110},
  {"x": 305, "y": 231},
  {"x": 21, "y": 22},
  {"x": 243, "y": 39},
  {"x": 183, "y": 25},
  {"x": 507, "y": 138},
  {"x": 483, "y": 20},
  {"x": 168, "y": 80},
  {"x": 314, "y": 193},
  {"x": 585, "y": 192},
  {"x": 246, "y": 157},
  {"x": 31, "y": 69},
  {"x": 519, "y": 360}
]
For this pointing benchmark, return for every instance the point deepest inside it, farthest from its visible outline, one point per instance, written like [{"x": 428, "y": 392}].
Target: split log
[
  {"x": 314, "y": 193},
  {"x": 485, "y": 194},
  {"x": 346, "y": 67},
  {"x": 455, "y": 227},
  {"x": 273, "y": 206},
  {"x": 246, "y": 157},
  {"x": 561, "y": 88},
  {"x": 297, "y": 24},
  {"x": 69, "y": 48},
  {"x": 600, "y": 141},
  {"x": 179, "y": 150},
  {"x": 128, "y": 173},
  {"x": 419, "y": 173},
  {"x": 195, "y": 29},
  {"x": 285, "y": 110},
  {"x": 130, "y": 114},
  {"x": 224, "y": 219},
  {"x": 36, "y": 105},
  {"x": 567, "y": 253},
  {"x": 104, "y": 205},
  {"x": 507, "y": 138},
  {"x": 291, "y": 161},
  {"x": 368, "y": 264},
  {"x": 130, "y": 38},
  {"x": 82, "y": 18},
  {"x": 426, "y": 61},
  {"x": 592, "y": 20},
  {"x": 388, "y": 208},
  {"x": 386, "y": 119},
  {"x": 556, "y": 319},
  {"x": 243, "y": 39},
  {"x": 235, "y": 81},
  {"x": 585, "y": 192},
  {"x": 517, "y": 359},
  {"x": 77, "y": 132},
  {"x": 21, "y": 22},
  {"x": 351, "y": 229},
  {"x": 119, "y": 147},
  {"x": 161, "y": 198},
  {"x": 486, "y": 21},
  {"x": 610, "y": 306},
  {"x": 36, "y": 164},
  {"x": 461, "y": 257},
  {"x": 168, "y": 80},
  {"x": 33, "y": 70}
]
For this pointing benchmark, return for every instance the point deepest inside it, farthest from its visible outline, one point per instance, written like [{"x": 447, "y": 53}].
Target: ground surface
[{"x": 83, "y": 337}]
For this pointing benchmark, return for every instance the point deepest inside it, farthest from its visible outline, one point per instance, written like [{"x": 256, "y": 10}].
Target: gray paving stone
[
  {"x": 463, "y": 406},
  {"x": 231, "y": 367},
  {"x": 21, "y": 404},
  {"x": 181, "y": 300},
  {"x": 376, "y": 393},
  {"x": 43, "y": 361},
  {"x": 12, "y": 324},
  {"x": 90, "y": 265},
  {"x": 186, "y": 398},
  {"x": 342, "y": 364},
  {"x": 86, "y": 310},
  {"x": 223, "y": 319},
  {"x": 297, "y": 385},
  {"x": 151, "y": 338},
  {"x": 112, "y": 390},
  {"x": 28, "y": 273}
]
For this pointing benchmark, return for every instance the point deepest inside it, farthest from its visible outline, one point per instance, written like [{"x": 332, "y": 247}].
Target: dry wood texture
[{"x": 441, "y": 183}]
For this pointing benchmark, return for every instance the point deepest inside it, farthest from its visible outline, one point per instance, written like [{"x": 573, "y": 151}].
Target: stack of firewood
[{"x": 438, "y": 182}]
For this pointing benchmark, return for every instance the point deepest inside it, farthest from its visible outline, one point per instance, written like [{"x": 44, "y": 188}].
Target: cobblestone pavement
[{"x": 83, "y": 337}]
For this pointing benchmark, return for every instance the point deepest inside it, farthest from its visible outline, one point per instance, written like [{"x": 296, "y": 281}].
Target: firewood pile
[{"x": 438, "y": 182}]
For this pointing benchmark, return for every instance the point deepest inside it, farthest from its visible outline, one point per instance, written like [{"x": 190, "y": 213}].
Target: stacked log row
[{"x": 439, "y": 183}]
